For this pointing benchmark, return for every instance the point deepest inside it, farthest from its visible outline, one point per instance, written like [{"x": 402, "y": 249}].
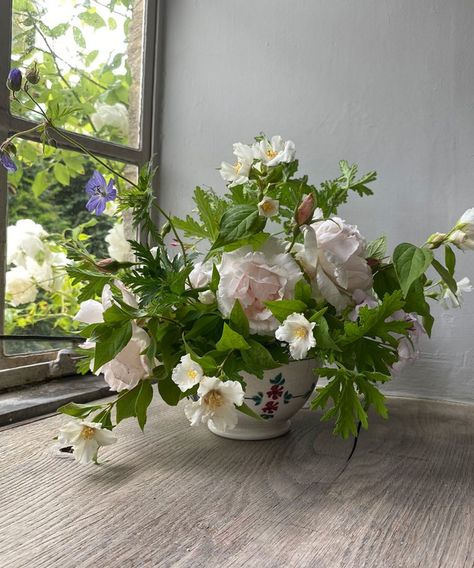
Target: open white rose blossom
[{"x": 227, "y": 312}]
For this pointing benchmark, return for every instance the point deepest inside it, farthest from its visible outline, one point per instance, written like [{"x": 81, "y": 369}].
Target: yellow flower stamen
[
  {"x": 301, "y": 333},
  {"x": 267, "y": 206},
  {"x": 87, "y": 432},
  {"x": 271, "y": 154},
  {"x": 213, "y": 399},
  {"x": 237, "y": 167},
  {"x": 192, "y": 374}
]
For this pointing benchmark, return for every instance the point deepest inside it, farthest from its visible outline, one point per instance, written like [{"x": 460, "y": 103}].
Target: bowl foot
[{"x": 251, "y": 429}]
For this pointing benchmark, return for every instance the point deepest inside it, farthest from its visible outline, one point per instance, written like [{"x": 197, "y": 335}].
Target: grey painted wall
[{"x": 388, "y": 84}]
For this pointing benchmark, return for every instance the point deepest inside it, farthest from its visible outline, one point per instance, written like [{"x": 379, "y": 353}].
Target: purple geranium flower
[
  {"x": 7, "y": 162},
  {"x": 14, "y": 79},
  {"x": 100, "y": 192}
]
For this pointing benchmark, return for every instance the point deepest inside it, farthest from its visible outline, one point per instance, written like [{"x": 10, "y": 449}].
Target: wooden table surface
[{"x": 180, "y": 496}]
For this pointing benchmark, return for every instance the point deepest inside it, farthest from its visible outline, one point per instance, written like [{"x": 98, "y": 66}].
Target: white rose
[
  {"x": 253, "y": 278},
  {"x": 24, "y": 239},
  {"x": 201, "y": 274},
  {"x": 19, "y": 286},
  {"x": 275, "y": 151},
  {"x": 119, "y": 248},
  {"x": 333, "y": 256},
  {"x": 115, "y": 115}
]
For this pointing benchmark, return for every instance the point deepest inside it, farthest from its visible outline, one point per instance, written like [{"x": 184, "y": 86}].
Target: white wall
[{"x": 388, "y": 84}]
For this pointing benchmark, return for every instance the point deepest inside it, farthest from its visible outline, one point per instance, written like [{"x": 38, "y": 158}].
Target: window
[{"x": 99, "y": 57}]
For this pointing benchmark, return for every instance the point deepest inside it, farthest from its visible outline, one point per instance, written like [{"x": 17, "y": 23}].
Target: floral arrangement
[{"x": 264, "y": 274}]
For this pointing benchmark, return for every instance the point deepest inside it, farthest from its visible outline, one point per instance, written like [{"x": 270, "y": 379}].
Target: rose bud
[
  {"x": 305, "y": 210},
  {"x": 14, "y": 80}
]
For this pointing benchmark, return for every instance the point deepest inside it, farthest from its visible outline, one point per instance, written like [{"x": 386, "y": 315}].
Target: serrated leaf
[
  {"x": 377, "y": 249},
  {"x": 410, "y": 263},
  {"x": 237, "y": 223}
]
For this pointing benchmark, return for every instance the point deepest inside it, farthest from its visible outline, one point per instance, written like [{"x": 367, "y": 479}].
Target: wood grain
[{"x": 182, "y": 497}]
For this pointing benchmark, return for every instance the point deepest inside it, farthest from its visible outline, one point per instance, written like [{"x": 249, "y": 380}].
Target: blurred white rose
[
  {"x": 19, "y": 286},
  {"x": 254, "y": 277},
  {"x": 333, "y": 255},
  {"x": 118, "y": 247},
  {"x": 115, "y": 115},
  {"x": 201, "y": 274},
  {"x": 450, "y": 300},
  {"x": 238, "y": 172},
  {"x": 24, "y": 239}
]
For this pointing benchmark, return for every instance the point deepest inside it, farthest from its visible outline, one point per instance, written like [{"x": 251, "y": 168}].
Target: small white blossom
[
  {"x": 238, "y": 173},
  {"x": 275, "y": 151},
  {"x": 19, "y": 286},
  {"x": 207, "y": 297},
  {"x": 450, "y": 300},
  {"x": 187, "y": 373},
  {"x": 85, "y": 439},
  {"x": 463, "y": 234},
  {"x": 201, "y": 274},
  {"x": 216, "y": 404},
  {"x": 297, "y": 331},
  {"x": 268, "y": 207},
  {"x": 118, "y": 247},
  {"x": 25, "y": 239}
]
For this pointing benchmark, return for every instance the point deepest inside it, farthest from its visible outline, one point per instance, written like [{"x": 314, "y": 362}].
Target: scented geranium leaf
[
  {"x": 190, "y": 227},
  {"x": 79, "y": 410},
  {"x": 410, "y": 263},
  {"x": 377, "y": 249},
  {"x": 372, "y": 322},
  {"x": 450, "y": 259},
  {"x": 281, "y": 309},
  {"x": 446, "y": 276},
  {"x": 237, "y": 223},
  {"x": 372, "y": 395},
  {"x": 144, "y": 398},
  {"x": 210, "y": 209},
  {"x": 110, "y": 340},
  {"x": 92, "y": 282},
  {"x": 248, "y": 411},
  {"x": 238, "y": 319},
  {"x": 257, "y": 359},
  {"x": 231, "y": 340}
]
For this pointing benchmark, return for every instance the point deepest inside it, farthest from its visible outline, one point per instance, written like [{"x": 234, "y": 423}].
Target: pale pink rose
[
  {"x": 254, "y": 278},
  {"x": 201, "y": 274},
  {"x": 408, "y": 347},
  {"x": 333, "y": 256},
  {"x": 362, "y": 300},
  {"x": 129, "y": 366}
]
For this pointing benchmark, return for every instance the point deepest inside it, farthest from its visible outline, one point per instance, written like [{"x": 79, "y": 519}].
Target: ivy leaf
[
  {"x": 446, "y": 276},
  {"x": 410, "y": 263},
  {"x": 237, "y": 223},
  {"x": 450, "y": 259},
  {"x": 110, "y": 340},
  {"x": 144, "y": 398},
  {"x": 281, "y": 309},
  {"x": 231, "y": 340},
  {"x": 238, "y": 319}
]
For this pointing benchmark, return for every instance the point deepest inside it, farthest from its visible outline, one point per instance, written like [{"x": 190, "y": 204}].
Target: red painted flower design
[
  {"x": 270, "y": 407},
  {"x": 275, "y": 392}
]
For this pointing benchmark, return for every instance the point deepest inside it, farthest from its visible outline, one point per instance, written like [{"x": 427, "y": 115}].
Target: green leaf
[
  {"x": 78, "y": 37},
  {"x": 40, "y": 183},
  {"x": 303, "y": 291},
  {"x": 207, "y": 213},
  {"x": 410, "y": 263},
  {"x": 281, "y": 309},
  {"x": 92, "y": 18},
  {"x": 446, "y": 276},
  {"x": 248, "y": 411},
  {"x": 110, "y": 342},
  {"x": 190, "y": 227},
  {"x": 450, "y": 259},
  {"x": 231, "y": 340},
  {"x": 377, "y": 249},
  {"x": 237, "y": 223},
  {"x": 322, "y": 335},
  {"x": 168, "y": 389},
  {"x": 61, "y": 173},
  {"x": 144, "y": 398},
  {"x": 79, "y": 410},
  {"x": 238, "y": 319},
  {"x": 258, "y": 359},
  {"x": 91, "y": 57},
  {"x": 125, "y": 407}
]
